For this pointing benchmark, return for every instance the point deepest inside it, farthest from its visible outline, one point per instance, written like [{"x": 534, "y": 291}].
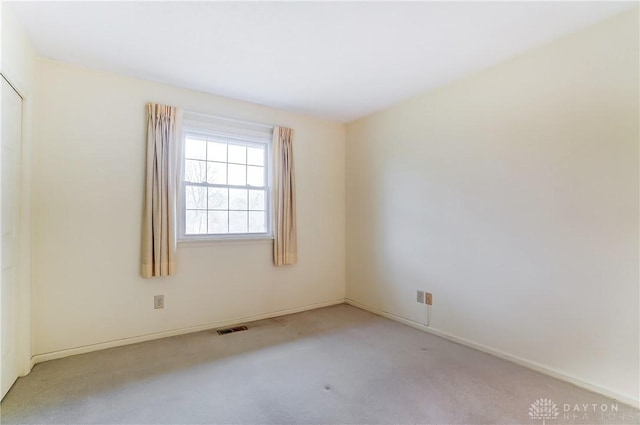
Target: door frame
[{"x": 24, "y": 329}]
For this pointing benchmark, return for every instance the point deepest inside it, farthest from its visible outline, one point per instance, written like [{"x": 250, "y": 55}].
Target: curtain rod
[{"x": 253, "y": 124}]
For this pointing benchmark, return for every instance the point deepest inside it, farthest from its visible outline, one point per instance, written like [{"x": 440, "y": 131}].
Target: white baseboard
[
  {"x": 497, "y": 353},
  {"x": 39, "y": 358}
]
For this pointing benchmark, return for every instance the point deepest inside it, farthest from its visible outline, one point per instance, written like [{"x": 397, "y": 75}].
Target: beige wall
[
  {"x": 512, "y": 196},
  {"x": 18, "y": 63},
  {"x": 88, "y": 192}
]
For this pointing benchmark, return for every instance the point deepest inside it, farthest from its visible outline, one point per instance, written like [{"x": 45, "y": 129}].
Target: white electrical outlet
[
  {"x": 158, "y": 301},
  {"x": 420, "y": 297}
]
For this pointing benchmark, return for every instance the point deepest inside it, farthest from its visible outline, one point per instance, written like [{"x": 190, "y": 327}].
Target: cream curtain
[
  {"x": 285, "y": 249},
  {"x": 161, "y": 188}
]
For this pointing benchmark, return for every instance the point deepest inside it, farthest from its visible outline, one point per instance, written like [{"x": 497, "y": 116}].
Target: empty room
[{"x": 320, "y": 212}]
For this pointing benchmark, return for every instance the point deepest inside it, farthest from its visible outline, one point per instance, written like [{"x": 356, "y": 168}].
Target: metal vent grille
[{"x": 231, "y": 330}]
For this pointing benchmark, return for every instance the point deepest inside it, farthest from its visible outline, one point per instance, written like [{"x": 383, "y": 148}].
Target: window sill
[{"x": 254, "y": 240}]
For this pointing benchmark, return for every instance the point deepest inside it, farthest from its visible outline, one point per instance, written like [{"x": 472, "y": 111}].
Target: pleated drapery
[
  {"x": 285, "y": 249},
  {"x": 161, "y": 188}
]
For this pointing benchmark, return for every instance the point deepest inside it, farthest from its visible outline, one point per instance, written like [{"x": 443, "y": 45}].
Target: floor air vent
[{"x": 231, "y": 330}]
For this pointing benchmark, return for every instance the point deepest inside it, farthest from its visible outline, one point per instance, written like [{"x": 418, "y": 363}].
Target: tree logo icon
[{"x": 545, "y": 409}]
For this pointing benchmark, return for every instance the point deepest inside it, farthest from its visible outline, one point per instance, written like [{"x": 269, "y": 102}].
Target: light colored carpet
[{"x": 333, "y": 365}]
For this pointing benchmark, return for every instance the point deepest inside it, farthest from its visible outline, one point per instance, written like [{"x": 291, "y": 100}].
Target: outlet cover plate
[
  {"x": 420, "y": 297},
  {"x": 158, "y": 301}
]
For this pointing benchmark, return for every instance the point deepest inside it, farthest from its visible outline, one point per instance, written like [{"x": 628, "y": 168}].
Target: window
[{"x": 225, "y": 184}]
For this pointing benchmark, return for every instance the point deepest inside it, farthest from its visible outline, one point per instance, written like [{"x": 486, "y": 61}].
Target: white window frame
[{"x": 203, "y": 126}]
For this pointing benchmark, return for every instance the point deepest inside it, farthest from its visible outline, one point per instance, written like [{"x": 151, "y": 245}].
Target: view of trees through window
[{"x": 225, "y": 189}]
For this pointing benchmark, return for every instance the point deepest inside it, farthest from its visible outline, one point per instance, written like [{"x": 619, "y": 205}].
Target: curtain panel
[
  {"x": 161, "y": 188},
  {"x": 285, "y": 249}
]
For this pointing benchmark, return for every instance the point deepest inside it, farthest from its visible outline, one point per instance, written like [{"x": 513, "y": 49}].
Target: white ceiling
[{"x": 334, "y": 60}]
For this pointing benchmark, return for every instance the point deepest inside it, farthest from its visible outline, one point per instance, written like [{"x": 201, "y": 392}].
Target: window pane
[
  {"x": 216, "y": 173},
  {"x": 256, "y": 222},
  {"x": 218, "y": 199},
  {"x": 218, "y": 221},
  {"x": 224, "y": 184},
  {"x": 196, "y": 222},
  {"x": 237, "y": 222},
  {"x": 194, "y": 171},
  {"x": 237, "y": 175},
  {"x": 255, "y": 176},
  {"x": 255, "y": 156},
  {"x": 237, "y": 154},
  {"x": 196, "y": 197},
  {"x": 237, "y": 199},
  {"x": 217, "y": 152},
  {"x": 256, "y": 200},
  {"x": 195, "y": 148}
]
